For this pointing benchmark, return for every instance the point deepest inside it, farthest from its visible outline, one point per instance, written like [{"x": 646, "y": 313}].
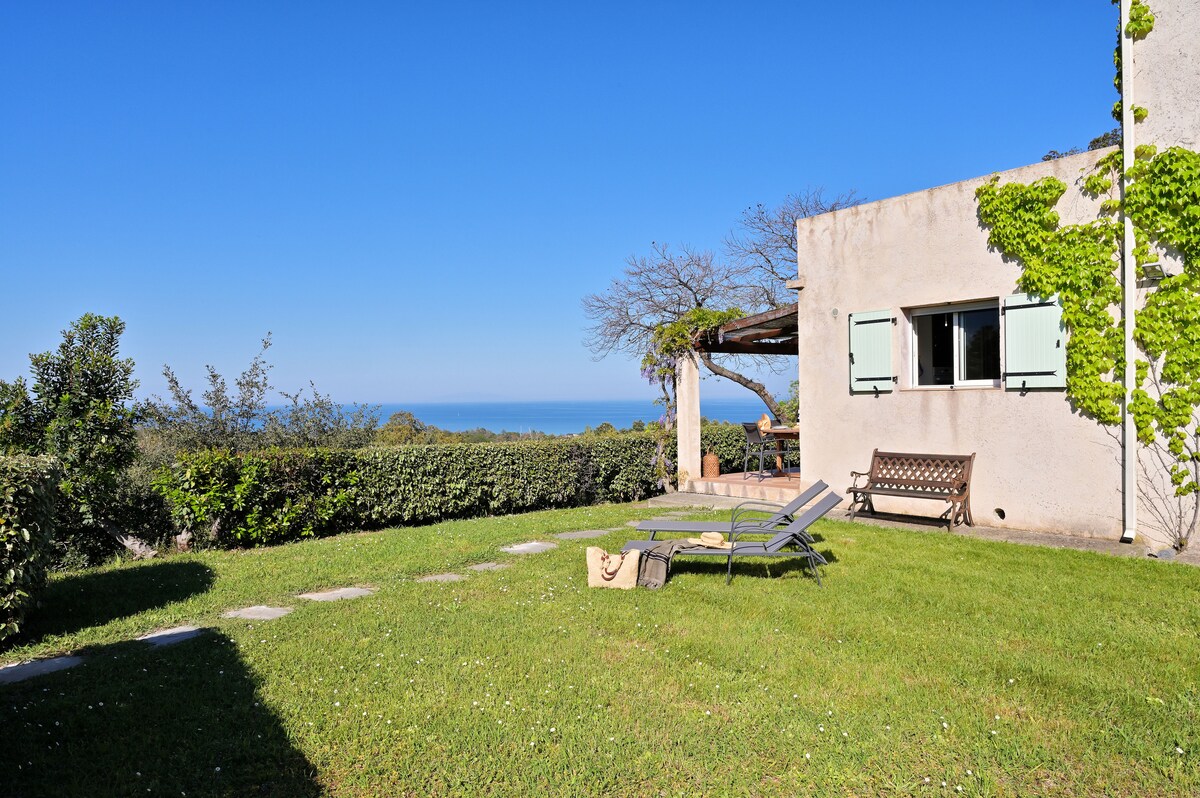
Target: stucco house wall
[
  {"x": 1039, "y": 463},
  {"x": 1166, "y": 74}
]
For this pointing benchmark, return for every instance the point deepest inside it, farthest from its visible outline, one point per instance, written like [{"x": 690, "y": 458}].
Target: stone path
[
  {"x": 532, "y": 547},
  {"x": 337, "y": 594},
  {"x": 21, "y": 671},
  {"x": 582, "y": 534},
  {"x": 258, "y": 613},
  {"x": 169, "y": 637}
]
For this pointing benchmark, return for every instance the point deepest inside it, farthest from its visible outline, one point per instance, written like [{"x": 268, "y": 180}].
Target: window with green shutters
[
  {"x": 871, "y": 351},
  {"x": 1035, "y": 343}
]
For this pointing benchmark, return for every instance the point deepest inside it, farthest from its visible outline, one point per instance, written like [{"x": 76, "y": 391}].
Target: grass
[{"x": 1000, "y": 669}]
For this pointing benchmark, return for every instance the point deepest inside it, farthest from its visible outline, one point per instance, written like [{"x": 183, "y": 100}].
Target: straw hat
[{"x": 711, "y": 540}]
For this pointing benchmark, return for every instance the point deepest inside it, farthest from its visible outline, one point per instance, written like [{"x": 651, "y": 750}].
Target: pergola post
[{"x": 687, "y": 422}]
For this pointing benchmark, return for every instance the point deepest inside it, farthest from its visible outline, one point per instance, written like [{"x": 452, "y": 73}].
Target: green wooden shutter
[
  {"x": 871, "y": 351},
  {"x": 1035, "y": 343}
]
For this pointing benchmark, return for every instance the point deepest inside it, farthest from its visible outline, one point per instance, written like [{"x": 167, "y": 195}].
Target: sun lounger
[
  {"x": 746, "y": 513},
  {"x": 792, "y": 535}
]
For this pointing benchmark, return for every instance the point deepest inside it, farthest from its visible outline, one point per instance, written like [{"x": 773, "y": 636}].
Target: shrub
[
  {"x": 28, "y": 489},
  {"x": 728, "y": 441},
  {"x": 260, "y": 497},
  {"x": 273, "y": 496}
]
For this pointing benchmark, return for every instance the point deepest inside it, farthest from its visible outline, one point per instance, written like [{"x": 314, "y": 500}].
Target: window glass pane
[
  {"x": 980, "y": 344},
  {"x": 935, "y": 348}
]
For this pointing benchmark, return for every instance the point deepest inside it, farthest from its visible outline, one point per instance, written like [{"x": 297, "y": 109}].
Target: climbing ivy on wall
[{"x": 1078, "y": 262}]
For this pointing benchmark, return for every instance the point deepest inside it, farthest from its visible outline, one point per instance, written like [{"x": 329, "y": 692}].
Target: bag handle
[{"x": 605, "y": 573}]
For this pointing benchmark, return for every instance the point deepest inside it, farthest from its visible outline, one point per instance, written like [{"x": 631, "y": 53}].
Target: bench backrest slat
[{"x": 934, "y": 473}]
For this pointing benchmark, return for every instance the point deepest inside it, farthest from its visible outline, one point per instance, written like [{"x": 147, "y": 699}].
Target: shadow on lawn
[
  {"x": 139, "y": 720},
  {"x": 759, "y": 568},
  {"x": 94, "y": 598}
]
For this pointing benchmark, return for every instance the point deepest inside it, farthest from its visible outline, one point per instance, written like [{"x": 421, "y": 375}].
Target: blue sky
[{"x": 414, "y": 197}]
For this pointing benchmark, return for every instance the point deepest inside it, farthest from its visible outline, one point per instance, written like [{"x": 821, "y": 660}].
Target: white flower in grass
[
  {"x": 969, "y": 773},
  {"x": 807, "y": 755},
  {"x": 1178, "y": 750},
  {"x": 926, "y": 779},
  {"x": 945, "y": 725},
  {"x": 820, "y": 728}
]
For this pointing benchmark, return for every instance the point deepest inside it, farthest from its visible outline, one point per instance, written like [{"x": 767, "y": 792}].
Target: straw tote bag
[{"x": 612, "y": 570}]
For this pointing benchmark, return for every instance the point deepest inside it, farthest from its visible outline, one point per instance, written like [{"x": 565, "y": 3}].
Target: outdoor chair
[
  {"x": 747, "y": 513},
  {"x": 793, "y": 535},
  {"x": 757, "y": 443},
  {"x": 763, "y": 444}
]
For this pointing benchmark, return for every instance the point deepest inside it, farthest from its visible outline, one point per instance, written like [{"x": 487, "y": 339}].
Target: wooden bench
[{"x": 946, "y": 477}]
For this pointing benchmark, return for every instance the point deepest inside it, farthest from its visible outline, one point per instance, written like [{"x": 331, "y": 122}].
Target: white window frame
[{"x": 954, "y": 308}]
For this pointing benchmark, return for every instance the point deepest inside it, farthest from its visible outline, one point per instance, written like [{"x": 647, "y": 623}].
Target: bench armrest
[{"x": 854, "y": 475}]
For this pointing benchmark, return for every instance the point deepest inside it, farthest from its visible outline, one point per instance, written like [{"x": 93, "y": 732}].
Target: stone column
[{"x": 687, "y": 397}]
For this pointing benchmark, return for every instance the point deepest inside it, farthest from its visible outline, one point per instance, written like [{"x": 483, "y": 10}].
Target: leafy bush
[
  {"x": 28, "y": 489},
  {"x": 262, "y": 497},
  {"x": 77, "y": 411},
  {"x": 728, "y": 441},
  {"x": 244, "y": 421},
  {"x": 259, "y": 498}
]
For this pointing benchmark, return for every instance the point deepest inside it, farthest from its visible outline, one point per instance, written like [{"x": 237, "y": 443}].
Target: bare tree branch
[
  {"x": 662, "y": 287},
  {"x": 764, "y": 242}
]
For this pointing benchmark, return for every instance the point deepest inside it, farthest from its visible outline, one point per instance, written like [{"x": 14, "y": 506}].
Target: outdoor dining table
[{"x": 783, "y": 434}]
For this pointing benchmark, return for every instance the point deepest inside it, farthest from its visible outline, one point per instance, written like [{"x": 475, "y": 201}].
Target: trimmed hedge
[
  {"x": 28, "y": 490},
  {"x": 275, "y": 496},
  {"x": 728, "y": 441}
]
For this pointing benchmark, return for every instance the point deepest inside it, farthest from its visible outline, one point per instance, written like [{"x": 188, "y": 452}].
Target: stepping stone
[
  {"x": 488, "y": 566},
  {"x": 169, "y": 637},
  {"x": 258, "y": 613},
  {"x": 338, "y": 594},
  {"x": 21, "y": 671},
  {"x": 532, "y": 547},
  {"x": 583, "y": 534},
  {"x": 442, "y": 578}
]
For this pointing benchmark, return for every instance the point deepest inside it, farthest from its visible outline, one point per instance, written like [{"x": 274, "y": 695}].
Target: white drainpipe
[{"x": 1129, "y": 285}]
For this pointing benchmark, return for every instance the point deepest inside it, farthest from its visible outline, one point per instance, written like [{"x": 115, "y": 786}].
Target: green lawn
[{"x": 1000, "y": 669}]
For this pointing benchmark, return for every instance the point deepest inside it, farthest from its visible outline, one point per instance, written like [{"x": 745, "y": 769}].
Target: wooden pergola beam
[
  {"x": 788, "y": 347},
  {"x": 749, "y": 335}
]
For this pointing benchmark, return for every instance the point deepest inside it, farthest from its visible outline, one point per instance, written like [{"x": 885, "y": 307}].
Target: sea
[{"x": 564, "y": 417}]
